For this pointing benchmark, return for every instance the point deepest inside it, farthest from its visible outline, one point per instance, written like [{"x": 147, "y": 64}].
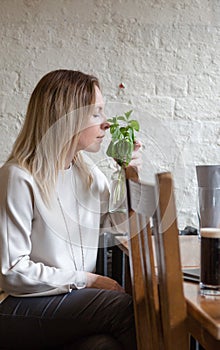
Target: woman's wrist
[{"x": 80, "y": 281}]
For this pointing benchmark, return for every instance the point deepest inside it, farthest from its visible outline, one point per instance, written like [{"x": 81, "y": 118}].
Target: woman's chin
[{"x": 93, "y": 148}]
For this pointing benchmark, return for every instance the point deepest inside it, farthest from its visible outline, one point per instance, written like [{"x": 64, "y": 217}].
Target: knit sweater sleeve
[{"x": 19, "y": 275}]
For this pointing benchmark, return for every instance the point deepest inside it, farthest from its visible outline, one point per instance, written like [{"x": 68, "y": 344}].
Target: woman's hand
[
  {"x": 136, "y": 160},
  {"x": 102, "y": 282}
]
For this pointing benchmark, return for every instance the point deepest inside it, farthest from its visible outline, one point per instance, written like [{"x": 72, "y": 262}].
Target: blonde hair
[{"x": 57, "y": 111}]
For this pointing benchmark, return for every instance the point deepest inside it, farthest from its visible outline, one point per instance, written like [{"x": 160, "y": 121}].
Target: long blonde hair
[{"x": 57, "y": 111}]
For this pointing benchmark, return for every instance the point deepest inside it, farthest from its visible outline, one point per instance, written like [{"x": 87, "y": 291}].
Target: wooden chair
[{"x": 156, "y": 276}]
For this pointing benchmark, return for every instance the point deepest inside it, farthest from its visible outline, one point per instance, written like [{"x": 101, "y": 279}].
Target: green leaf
[
  {"x": 121, "y": 117},
  {"x": 116, "y": 134},
  {"x": 114, "y": 120},
  {"x": 134, "y": 124},
  {"x": 113, "y": 127},
  {"x": 131, "y": 134},
  {"x": 123, "y": 130},
  {"x": 127, "y": 114},
  {"x": 109, "y": 151},
  {"x": 122, "y": 147}
]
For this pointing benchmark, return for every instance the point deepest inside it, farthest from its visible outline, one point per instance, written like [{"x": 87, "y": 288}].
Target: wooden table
[
  {"x": 203, "y": 317},
  {"x": 203, "y": 312}
]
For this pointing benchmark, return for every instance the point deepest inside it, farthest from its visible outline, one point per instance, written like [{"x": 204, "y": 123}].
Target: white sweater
[{"x": 36, "y": 257}]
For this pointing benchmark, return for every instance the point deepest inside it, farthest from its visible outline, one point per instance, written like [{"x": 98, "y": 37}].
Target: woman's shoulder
[
  {"x": 14, "y": 181},
  {"x": 12, "y": 170}
]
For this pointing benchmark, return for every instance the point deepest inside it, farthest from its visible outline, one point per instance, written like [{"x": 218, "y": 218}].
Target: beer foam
[{"x": 210, "y": 232}]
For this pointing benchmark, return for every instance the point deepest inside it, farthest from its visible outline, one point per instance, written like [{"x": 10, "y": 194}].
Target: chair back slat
[
  {"x": 156, "y": 279},
  {"x": 170, "y": 280},
  {"x": 138, "y": 286}
]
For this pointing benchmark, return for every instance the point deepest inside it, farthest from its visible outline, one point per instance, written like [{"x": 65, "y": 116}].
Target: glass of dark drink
[
  {"x": 208, "y": 177},
  {"x": 210, "y": 261}
]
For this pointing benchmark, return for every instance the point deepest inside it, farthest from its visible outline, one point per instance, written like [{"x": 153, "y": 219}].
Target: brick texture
[{"x": 167, "y": 54}]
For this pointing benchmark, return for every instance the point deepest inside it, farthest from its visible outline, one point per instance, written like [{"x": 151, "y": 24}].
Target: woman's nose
[{"x": 105, "y": 125}]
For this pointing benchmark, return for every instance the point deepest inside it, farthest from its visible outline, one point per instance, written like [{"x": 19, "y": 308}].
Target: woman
[{"x": 52, "y": 204}]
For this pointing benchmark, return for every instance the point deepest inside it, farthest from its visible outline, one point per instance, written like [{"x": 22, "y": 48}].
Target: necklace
[{"x": 68, "y": 232}]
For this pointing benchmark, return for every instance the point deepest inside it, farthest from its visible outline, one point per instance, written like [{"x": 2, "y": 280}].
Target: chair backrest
[{"x": 156, "y": 276}]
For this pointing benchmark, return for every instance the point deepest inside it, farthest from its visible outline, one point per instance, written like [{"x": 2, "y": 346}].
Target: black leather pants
[{"x": 81, "y": 320}]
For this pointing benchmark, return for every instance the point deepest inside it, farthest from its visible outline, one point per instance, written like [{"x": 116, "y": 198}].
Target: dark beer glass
[
  {"x": 210, "y": 261},
  {"x": 208, "y": 177}
]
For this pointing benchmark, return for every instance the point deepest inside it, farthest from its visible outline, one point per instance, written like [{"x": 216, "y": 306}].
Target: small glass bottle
[{"x": 117, "y": 201}]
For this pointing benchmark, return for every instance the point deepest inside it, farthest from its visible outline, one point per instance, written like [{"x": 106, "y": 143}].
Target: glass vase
[{"x": 117, "y": 202}]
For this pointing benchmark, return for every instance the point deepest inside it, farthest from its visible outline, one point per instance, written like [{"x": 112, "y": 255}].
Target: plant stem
[{"x": 120, "y": 187}]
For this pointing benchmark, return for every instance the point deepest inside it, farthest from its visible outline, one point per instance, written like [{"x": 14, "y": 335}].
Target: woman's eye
[{"x": 96, "y": 115}]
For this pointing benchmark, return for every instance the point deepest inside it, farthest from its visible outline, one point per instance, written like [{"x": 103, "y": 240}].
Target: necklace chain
[{"x": 68, "y": 232}]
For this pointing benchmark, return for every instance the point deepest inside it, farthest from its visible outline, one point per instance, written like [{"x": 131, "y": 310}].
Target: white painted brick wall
[{"x": 166, "y": 52}]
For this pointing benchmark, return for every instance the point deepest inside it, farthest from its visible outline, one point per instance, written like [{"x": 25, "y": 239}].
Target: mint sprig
[{"x": 122, "y": 130}]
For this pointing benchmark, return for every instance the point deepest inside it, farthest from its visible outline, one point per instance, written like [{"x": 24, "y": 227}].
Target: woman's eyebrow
[{"x": 98, "y": 108}]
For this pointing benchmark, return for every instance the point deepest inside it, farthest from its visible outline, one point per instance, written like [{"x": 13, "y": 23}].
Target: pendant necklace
[{"x": 68, "y": 231}]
